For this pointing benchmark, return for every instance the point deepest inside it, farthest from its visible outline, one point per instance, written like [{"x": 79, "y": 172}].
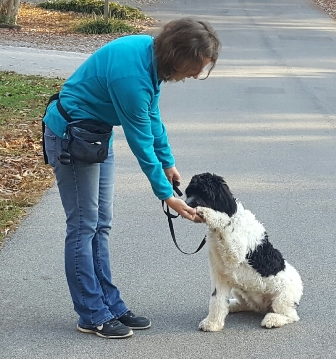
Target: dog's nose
[{"x": 192, "y": 204}]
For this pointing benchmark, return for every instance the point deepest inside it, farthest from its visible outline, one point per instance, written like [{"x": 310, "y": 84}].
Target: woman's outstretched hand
[{"x": 179, "y": 206}]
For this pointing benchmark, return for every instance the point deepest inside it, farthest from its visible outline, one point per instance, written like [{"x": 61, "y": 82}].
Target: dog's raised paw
[
  {"x": 207, "y": 326},
  {"x": 203, "y": 212},
  {"x": 199, "y": 211},
  {"x": 210, "y": 217}
]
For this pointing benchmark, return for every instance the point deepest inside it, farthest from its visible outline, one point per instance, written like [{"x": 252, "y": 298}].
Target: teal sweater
[{"x": 118, "y": 84}]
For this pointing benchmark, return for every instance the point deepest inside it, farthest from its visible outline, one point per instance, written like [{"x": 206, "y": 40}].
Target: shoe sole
[
  {"x": 141, "y": 328},
  {"x": 89, "y": 331}
]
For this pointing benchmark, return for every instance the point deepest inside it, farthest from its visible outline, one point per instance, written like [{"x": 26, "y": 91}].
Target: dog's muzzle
[{"x": 191, "y": 202}]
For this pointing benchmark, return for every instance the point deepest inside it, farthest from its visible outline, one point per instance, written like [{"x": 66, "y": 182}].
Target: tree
[{"x": 8, "y": 12}]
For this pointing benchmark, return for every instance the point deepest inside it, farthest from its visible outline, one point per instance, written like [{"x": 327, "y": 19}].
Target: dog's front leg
[
  {"x": 218, "y": 306},
  {"x": 213, "y": 219}
]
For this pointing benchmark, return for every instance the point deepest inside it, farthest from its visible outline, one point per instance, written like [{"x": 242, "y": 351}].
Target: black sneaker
[
  {"x": 112, "y": 329},
  {"x": 132, "y": 321}
]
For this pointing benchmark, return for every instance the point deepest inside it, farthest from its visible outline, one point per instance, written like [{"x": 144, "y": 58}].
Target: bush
[
  {"x": 116, "y": 11},
  {"x": 100, "y": 26}
]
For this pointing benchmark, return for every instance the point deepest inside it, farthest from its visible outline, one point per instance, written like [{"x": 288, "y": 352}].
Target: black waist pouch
[
  {"x": 84, "y": 140},
  {"x": 87, "y": 140}
]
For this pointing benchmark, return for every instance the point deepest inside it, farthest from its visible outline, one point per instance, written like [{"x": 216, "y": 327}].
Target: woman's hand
[
  {"x": 179, "y": 206},
  {"x": 172, "y": 174}
]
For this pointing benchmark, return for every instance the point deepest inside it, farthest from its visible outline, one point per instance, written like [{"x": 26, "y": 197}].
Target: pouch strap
[
  {"x": 67, "y": 117},
  {"x": 52, "y": 98},
  {"x": 63, "y": 112}
]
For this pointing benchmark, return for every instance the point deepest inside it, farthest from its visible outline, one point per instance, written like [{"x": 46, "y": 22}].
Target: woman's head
[{"x": 184, "y": 47}]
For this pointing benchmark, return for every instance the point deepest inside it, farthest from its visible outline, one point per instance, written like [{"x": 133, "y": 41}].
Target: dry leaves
[
  {"x": 38, "y": 20},
  {"x": 22, "y": 173}
]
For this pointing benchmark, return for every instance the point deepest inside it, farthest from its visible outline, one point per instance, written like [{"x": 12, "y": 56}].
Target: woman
[{"x": 120, "y": 85}]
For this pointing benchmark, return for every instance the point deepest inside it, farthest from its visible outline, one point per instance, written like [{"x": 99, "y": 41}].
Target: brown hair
[{"x": 184, "y": 43}]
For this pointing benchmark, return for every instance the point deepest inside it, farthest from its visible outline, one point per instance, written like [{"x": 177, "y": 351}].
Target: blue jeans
[{"x": 86, "y": 191}]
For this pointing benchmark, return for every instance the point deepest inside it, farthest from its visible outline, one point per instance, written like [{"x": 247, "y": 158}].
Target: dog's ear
[{"x": 224, "y": 199}]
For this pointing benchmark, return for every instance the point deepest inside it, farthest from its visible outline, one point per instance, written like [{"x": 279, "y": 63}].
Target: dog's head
[{"x": 210, "y": 190}]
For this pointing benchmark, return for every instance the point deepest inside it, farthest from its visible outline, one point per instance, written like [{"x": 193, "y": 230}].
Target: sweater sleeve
[
  {"x": 161, "y": 144},
  {"x": 145, "y": 133}
]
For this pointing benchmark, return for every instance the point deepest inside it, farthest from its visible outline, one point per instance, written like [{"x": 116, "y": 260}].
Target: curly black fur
[
  {"x": 210, "y": 190},
  {"x": 265, "y": 259}
]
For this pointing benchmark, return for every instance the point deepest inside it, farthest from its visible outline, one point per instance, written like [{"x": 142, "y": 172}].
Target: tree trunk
[
  {"x": 8, "y": 11},
  {"x": 106, "y": 10}
]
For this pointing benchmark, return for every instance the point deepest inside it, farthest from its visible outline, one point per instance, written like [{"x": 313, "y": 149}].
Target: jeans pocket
[{"x": 50, "y": 146}]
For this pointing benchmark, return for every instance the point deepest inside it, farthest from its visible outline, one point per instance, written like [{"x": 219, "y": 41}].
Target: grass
[{"x": 23, "y": 175}]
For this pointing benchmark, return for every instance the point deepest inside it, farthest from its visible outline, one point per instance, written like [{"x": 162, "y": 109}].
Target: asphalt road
[{"x": 265, "y": 121}]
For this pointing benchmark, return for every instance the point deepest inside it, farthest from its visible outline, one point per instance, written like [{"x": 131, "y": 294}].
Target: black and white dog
[{"x": 243, "y": 263}]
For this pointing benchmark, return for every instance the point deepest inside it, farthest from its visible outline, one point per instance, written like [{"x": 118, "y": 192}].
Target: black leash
[{"x": 170, "y": 222}]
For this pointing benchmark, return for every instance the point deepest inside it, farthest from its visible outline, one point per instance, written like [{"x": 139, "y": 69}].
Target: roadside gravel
[
  {"x": 329, "y": 6},
  {"x": 60, "y": 42}
]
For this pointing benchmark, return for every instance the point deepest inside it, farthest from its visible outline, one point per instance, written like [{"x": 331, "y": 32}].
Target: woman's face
[{"x": 191, "y": 72}]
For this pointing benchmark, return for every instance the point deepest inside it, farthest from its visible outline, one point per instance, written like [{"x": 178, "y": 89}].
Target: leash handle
[
  {"x": 170, "y": 222},
  {"x": 176, "y": 189}
]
